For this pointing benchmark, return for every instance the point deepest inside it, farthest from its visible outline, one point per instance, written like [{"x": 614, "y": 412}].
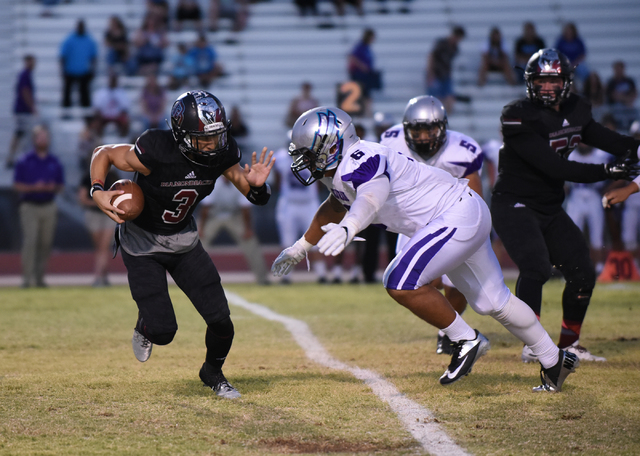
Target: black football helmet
[
  {"x": 548, "y": 63},
  {"x": 199, "y": 125}
]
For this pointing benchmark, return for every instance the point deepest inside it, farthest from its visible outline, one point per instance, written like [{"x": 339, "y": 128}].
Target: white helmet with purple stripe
[{"x": 318, "y": 139}]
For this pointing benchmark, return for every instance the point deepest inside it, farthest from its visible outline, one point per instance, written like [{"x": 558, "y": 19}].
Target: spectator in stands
[
  {"x": 78, "y": 55},
  {"x": 571, "y": 45},
  {"x": 24, "y": 107},
  {"x": 621, "y": 95},
  {"x": 526, "y": 45},
  {"x": 340, "y": 4},
  {"x": 159, "y": 10},
  {"x": 38, "y": 178},
  {"x": 183, "y": 66},
  {"x": 116, "y": 42},
  {"x": 236, "y": 10},
  {"x": 153, "y": 103},
  {"x": 239, "y": 128},
  {"x": 439, "y": 79},
  {"x": 494, "y": 59},
  {"x": 207, "y": 67},
  {"x": 49, "y": 6},
  {"x": 306, "y": 7},
  {"x": 111, "y": 104},
  {"x": 593, "y": 90},
  {"x": 150, "y": 41},
  {"x": 361, "y": 68},
  {"x": 301, "y": 103},
  {"x": 189, "y": 12},
  {"x": 226, "y": 209},
  {"x": 99, "y": 225},
  {"x": 621, "y": 89}
]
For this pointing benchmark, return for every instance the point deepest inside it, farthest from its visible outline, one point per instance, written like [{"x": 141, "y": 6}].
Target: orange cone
[{"x": 619, "y": 267}]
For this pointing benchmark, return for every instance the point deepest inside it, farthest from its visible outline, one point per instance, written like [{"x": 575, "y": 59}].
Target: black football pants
[
  {"x": 193, "y": 272},
  {"x": 535, "y": 242}
]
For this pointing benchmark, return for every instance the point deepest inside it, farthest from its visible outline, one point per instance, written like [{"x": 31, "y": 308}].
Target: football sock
[
  {"x": 520, "y": 321},
  {"x": 218, "y": 340},
  {"x": 459, "y": 330},
  {"x": 569, "y": 333}
]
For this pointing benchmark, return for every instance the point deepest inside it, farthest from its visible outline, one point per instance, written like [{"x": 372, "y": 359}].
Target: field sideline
[{"x": 69, "y": 383}]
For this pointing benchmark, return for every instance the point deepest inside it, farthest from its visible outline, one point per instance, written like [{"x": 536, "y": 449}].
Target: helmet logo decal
[
  {"x": 177, "y": 113},
  {"x": 328, "y": 130},
  {"x": 550, "y": 63}
]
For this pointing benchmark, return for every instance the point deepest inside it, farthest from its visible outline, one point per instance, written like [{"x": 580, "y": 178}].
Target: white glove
[
  {"x": 290, "y": 256},
  {"x": 337, "y": 237}
]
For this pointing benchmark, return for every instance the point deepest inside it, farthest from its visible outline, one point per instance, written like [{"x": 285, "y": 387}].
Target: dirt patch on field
[{"x": 293, "y": 446}]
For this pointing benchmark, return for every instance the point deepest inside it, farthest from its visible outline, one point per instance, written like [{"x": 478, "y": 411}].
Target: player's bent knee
[
  {"x": 222, "y": 328},
  {"x": 162, "y": 339}
]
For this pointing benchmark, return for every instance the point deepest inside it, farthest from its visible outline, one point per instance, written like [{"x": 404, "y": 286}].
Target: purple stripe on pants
[{"x": 400, "y": 269}]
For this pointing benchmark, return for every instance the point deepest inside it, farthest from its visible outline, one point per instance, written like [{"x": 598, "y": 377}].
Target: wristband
[
  {"x": 94, "y": 187},
  {"x": 259, "y": 195}
]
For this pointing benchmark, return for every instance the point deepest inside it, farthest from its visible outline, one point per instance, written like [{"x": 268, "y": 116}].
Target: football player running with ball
[
  {"x": 540, "y": 131},
  {"x": 448, "y": 226},
  {"x": 176, "y": 169},
  {"x": 423, "y": 135}
]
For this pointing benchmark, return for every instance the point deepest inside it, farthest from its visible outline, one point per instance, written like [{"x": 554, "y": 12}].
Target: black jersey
[
  {"x": 533, "y": 164},
  {"x": 175, "y": 185}
]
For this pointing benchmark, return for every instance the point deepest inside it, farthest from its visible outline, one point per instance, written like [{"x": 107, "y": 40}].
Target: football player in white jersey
[
  {"x": 448, "y": 225},
  {"x": 423, "y": 135},
  {"x": 295, "y": 208}
]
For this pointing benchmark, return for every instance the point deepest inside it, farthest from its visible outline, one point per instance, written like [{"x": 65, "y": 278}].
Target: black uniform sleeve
[
  {"x": 601, "y": 137},
  {"x": 521, "y": 137},
  {"x": 145, "y": 149}
]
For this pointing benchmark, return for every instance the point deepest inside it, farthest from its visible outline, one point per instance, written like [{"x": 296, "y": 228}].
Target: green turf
[{"x": 69, "y": 383}]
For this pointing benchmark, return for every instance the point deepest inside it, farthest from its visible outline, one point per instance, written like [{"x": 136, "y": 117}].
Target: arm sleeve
[
  {"x": 369, "y": 199},
  {"x": 533, "y": 149},
  {"x": 603, "y": 138}
]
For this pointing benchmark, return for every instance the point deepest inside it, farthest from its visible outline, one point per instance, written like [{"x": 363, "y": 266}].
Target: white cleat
[{"x": 582, "y": 353}]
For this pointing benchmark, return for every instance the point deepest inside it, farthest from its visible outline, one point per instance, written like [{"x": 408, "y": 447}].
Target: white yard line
[{"x": 418, "y": 420}]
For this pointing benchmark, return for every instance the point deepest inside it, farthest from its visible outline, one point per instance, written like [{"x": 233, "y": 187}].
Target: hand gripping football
[{"x": 131, "y": 201}]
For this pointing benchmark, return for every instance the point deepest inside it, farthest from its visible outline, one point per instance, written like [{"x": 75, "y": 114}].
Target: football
[{"x": 131, "y": 201}]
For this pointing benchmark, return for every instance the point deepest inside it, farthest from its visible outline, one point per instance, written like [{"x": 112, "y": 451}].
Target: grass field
[{"x": 70, "y": 385}]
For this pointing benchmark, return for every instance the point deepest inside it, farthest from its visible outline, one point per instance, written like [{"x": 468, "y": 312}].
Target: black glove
[{"x": 627, "y": 170}]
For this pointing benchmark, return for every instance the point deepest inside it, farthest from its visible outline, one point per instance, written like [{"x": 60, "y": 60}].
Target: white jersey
[
  {"x": 460, "y": 155},
  {"x": 418, "y": 193},
  {"x": 595, "y": 156},
  {"x": 291, "y": 190}
]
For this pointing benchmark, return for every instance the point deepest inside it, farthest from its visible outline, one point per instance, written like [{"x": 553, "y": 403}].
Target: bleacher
[{"x": 278, "y": 50}]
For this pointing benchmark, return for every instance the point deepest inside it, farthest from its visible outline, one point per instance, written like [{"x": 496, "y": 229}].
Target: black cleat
[
  {"x": 215, "y": 379},
  {"x": 553, "y": 377},
  {"x": 465, "y": 354},
  {"x": 444, "y": 346},
  {"x": 141, "y": 346}
]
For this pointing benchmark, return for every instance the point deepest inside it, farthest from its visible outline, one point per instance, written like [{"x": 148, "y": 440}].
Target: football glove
[
  {"x": 337, "y": 237},
  {"x": 627, "y": 170},
  {"x": 291, "y": 256}
]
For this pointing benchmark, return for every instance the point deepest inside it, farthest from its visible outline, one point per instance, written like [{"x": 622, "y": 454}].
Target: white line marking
[{"x": 418, "y": 420}]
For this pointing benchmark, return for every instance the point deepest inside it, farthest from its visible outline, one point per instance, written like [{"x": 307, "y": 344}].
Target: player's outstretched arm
[
  {"x": 123, "y": 157},
  {"x": 331, "y": 211}
]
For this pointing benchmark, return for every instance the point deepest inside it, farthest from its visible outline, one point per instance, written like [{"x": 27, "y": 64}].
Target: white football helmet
[
  {"x": 425, "y": 125},
  {"x": 318, "y": 139}
]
